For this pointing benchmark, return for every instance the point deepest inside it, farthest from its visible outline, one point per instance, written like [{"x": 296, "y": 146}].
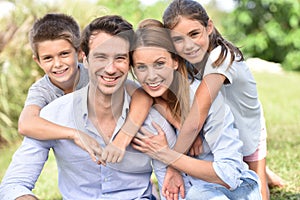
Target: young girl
[
  {"x": 220, "y": 65},
  {"x": 55, "y": 41},
  {"x": 219, "y": 172}
]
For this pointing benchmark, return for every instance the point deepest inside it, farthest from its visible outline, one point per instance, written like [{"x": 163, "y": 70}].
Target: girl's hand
[{"x": 196, "y": 148}]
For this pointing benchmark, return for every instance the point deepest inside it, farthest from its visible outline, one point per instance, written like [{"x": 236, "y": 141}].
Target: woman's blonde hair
[{"x": 151, "y": 33}]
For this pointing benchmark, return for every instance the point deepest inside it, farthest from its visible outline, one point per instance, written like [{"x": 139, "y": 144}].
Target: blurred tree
[
  {"x": 268, "y": 29},
  {"x": 17, "y": 68}
]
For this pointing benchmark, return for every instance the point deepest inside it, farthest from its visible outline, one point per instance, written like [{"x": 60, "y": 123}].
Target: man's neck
[{"x": 105, "y": 110}]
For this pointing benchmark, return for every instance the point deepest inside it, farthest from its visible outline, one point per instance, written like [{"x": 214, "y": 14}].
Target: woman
[{"x": 219, "y": 171}]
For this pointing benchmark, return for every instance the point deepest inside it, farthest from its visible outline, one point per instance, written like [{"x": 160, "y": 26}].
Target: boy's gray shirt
[{"x": 43, "y": 91}]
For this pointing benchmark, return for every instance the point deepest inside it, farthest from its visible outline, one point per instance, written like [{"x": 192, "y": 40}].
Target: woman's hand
[{"x": 149, "y": 143}]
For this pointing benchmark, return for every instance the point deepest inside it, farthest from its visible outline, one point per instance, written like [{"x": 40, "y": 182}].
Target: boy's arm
[
  {"x": 139, "y": 108},
  {"x": 32, "y": 125},
  {"x": 204, "y": 96}
]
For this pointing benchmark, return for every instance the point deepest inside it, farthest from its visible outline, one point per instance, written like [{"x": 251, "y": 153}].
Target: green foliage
[{"x": 268, "y": 29}]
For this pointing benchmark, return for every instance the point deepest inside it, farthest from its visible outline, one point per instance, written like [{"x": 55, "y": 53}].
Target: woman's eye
[
  {"x": 159, "y": 64},
  {"x": 141, "y": 67}
]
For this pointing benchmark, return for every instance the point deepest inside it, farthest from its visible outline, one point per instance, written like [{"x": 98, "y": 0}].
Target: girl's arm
[
  {"x": 204, "y": 96},
  {"x": 32, "y": 125},
  {"x": 139, "y": 109}
]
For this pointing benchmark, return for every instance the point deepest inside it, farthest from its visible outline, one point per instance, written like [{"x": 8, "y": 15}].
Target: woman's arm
[{"x": 32, "y": 125}]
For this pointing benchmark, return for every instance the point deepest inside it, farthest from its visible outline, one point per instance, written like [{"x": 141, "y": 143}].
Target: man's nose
[{"x": 110, "y": 67}]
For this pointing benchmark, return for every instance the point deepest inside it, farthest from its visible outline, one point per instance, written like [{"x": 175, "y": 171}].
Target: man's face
[{"x": 108, "y": 62}]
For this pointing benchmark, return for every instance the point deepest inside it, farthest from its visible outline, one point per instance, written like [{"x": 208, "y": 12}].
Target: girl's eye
[{"x": 177, "y": 39}]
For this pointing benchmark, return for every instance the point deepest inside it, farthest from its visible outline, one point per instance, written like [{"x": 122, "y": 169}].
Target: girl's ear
[{"x": 210, "y": 27}]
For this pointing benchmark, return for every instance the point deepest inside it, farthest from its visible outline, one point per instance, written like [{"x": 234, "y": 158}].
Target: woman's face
[
  {"x": 154, "y": 69},
  {"x": 191, "y": 39}
]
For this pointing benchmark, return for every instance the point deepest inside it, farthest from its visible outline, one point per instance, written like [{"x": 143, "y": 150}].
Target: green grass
[{"x": 280, "y": 97}]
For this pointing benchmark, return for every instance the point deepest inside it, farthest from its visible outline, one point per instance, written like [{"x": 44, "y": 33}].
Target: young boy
[{"x": 55, "y": 42}]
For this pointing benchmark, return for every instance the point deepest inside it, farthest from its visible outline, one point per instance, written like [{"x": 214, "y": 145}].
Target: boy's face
[
  {"x": 107, "y": 62},
  {"x": 59, "y": 60}
]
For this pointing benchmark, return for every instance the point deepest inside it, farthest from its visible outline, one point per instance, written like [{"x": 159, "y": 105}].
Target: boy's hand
[{"x": 90, "y": 145}]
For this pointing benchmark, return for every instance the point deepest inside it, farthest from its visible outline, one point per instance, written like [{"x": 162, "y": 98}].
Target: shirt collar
[{"x": 81, "y": 111}]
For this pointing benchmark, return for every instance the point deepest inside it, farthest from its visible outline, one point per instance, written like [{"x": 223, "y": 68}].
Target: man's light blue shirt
[{"x": 78, "y": 176}]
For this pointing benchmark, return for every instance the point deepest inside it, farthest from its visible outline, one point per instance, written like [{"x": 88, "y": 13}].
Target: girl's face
[
  {"x": 154, "y": 69},
  {"x": 191, "y": 39}
]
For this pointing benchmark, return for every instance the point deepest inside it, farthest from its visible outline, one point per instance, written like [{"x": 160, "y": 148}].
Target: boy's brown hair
[{"x": 54, "y": 26}]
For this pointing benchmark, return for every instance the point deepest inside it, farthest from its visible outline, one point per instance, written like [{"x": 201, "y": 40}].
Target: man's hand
[
  {"x": 90, "y": 145},
  {"x": 173, "y": 185}
]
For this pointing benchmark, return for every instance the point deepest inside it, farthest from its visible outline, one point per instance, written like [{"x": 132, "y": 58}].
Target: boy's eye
[
  {"x": 47, "y": 58},
  {"x": 65, "y": 53}
]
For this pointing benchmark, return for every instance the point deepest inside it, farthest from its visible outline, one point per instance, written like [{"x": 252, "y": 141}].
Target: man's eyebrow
[{"x": 122, "y": 54}]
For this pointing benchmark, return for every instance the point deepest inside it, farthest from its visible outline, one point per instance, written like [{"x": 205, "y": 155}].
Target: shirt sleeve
[
  {"x": 224, "y": 143},
  {"x": 159, "y": 167},
  {"x": 225, "y": 69},
  {"x": 24, "y": 170}
]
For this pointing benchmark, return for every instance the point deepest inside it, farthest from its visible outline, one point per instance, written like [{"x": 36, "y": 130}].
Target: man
[{"x": 99, "y": 110}]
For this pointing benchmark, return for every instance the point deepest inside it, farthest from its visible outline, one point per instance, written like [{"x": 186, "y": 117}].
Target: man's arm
[{"x": 24, "y": 170}]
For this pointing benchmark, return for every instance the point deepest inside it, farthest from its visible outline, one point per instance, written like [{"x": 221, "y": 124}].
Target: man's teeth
[{"x": 109, "y": 79}]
